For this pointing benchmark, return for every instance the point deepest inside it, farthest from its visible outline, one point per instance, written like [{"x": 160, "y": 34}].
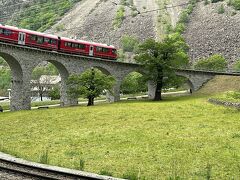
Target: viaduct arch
[{"x": 23, "y": 60}]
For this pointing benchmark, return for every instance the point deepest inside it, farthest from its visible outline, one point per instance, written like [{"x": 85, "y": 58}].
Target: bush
[
  {"x": 213, "y": 63},
  {"x": 233, "y": 94},
  {"x": 236, "y": 66},
  {"x": 236, "y": 4},
  {"x": 54, "y": 93},
  {"x": 129, "y": 43},
  {"x": 221, "y": 9}
]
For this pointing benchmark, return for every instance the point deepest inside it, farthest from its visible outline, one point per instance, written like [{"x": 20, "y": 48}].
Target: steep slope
[
  {"x": 209, "y": 32},
  {"x": 220, "y": 84},
  {"x": 174, "y": 12},
  {"x": 93, "y": 21}
]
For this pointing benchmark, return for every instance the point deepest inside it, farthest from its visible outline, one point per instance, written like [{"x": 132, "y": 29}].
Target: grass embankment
[
  {"x": 185, "y": 137},
  {"x": 220, "y": 84}
]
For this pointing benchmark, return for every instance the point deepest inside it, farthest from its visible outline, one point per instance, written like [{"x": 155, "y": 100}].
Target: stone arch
[
  {"x": 189, "y": 81},
  {"x": 17, "y": 99},
  {"x": 129, "y": 89},
  {"x": 65, "y": 100},
  {"x": 103, "y": 70}
]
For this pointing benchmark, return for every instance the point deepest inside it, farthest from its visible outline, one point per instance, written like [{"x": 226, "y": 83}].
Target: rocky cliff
[
  {"x": 94, "y": 21},
  {"x": 210, "y": 32}
]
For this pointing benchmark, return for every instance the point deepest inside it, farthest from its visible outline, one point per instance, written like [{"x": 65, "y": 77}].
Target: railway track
[{"x": 15, "y": 168}]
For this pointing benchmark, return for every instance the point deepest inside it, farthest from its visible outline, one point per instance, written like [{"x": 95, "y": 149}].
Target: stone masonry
[{"x": 23, "y": 60}]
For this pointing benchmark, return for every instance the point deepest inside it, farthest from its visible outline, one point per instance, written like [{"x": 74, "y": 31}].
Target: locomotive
[{"x": 50, "y": 42}]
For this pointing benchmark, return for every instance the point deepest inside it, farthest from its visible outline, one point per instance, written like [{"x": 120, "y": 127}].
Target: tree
[
  {"x": 42, "y": 85},
  {"x": 214, "y": 63},
  {"x": 133, "y": 83},
  {"x": 90, "y": 85},
  {"x": 54, "y": 93},
  {"x": 160, "y": 59}
]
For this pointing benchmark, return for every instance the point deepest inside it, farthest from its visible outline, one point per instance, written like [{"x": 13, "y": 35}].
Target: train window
[
  {"x": 69, "y": 44},
  {"x": 33, "y": 37},
  {"x": 54, "y": 41},
  {"x": 40, "y": 40},
  {"x": 1, "y": 31},
  {"x": 105, "y": 50},
  {"x": 99, "y": 49},
  {"x": 74, "y": 45},
  {"x": 114, "y": 51},
  {"x": 47, "y": 40},
  {"x": 81, "y": 46},
  {"x": 7, "y": 32}
]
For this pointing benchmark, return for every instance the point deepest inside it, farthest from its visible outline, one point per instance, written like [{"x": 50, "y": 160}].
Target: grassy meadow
[{"x": 178, "y": 138}]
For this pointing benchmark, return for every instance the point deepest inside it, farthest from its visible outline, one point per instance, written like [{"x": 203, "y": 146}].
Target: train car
[
  {"x": 9, "y": 34},
  {"x": 51, "y": 42},
  {"x": 88, "y": 48},
  {"x": 29, "y": 38},
  {"x": 74, "y": 46},
  {"x": 104, "y": 51}
]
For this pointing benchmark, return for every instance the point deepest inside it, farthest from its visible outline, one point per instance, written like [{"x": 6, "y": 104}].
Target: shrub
[
  {"x": 233, "y": 94},
  {"x": 236, "y": 66},
  {"x": 54, "y": 93},
  {"x": 213, "y": 63},
  {"x": 221, "y": 9},
  {"x": 206, "y": 2},
  {"x": 129, "y": 43},
  {"x": 236, "y": 4}
]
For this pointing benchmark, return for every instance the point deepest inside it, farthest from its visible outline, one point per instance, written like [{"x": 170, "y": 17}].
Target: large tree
[
  {"x": 160, "y": 59},
  {"x": 90, "y": 85}
]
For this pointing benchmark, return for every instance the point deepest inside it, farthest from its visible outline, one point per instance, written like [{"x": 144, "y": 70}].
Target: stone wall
[{"x": 225, "y": 103}]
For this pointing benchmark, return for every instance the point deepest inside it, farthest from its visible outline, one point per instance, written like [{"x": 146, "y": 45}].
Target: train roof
[
  {"x": 87, "y": 42},
  {"x": 29, "y": 31}
]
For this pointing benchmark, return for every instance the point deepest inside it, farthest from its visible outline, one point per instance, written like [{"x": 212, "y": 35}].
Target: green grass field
[{"x": 178, "y": 138}]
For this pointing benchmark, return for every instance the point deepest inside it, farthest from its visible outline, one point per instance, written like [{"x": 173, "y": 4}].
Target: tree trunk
[
  {"x": 41, "y": 96},
  {"x": 90, "y": 101},
  {"x": 158, "y": 92}
]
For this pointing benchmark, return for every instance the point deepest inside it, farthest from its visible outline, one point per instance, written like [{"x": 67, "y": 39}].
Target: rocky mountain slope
[
  {"x": 210, "y": 32},
  {"x": 93, "y": 21}
]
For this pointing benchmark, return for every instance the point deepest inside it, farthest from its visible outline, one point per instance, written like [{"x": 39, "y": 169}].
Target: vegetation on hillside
[
  {"x": 42, "y": 14},
  {"x": 213, "y": 63}
]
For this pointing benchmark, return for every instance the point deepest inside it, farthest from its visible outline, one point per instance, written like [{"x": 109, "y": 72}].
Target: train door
[
  {"x": 91, "y": 50},
  {"x": 21, "y": 38}
]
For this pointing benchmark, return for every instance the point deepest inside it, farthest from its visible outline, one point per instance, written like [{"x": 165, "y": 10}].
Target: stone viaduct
[{"x": 23, "y": 60}]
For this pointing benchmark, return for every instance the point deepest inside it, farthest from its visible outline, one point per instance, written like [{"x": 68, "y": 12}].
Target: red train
[{"x": 55, "y": 43}]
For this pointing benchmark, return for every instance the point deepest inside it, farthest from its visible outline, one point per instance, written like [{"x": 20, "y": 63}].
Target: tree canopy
[
  {"x": 89, "y": 84},
  {"x": 160, "y": 59}
]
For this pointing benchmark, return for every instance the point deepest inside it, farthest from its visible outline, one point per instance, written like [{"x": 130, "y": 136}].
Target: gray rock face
[
  {"x": 211, "y": 33},
  {"x": 97, "y": 23}
]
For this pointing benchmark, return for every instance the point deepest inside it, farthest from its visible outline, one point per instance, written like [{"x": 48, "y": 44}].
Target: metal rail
[{"x": 40, "y": 171}]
